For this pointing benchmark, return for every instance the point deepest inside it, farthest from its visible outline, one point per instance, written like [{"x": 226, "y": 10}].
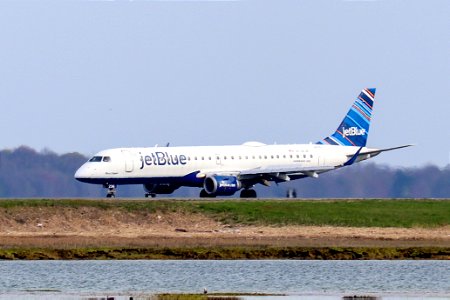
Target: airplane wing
[
  {"x": 272, "y": 173},
  {"x": 283, "y": 172}
]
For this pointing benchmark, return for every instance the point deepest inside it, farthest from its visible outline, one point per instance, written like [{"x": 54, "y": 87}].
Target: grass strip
[
  {"x": 129, "y": 205},
  {"x": 405, "y": 213},
  {"x": 354, "y": 213}
]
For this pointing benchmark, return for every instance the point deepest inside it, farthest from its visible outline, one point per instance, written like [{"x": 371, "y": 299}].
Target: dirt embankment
[{"x": 65, "y": 227}]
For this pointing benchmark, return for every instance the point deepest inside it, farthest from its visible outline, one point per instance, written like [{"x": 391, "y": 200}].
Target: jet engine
[
  {"x": 160, "y": 188},
  {"x": 221, "y": 185}
]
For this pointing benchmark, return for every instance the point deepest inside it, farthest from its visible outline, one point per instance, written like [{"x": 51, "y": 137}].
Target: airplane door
[
  {"x": 129, "y": 165},
  {"x": 321, "y": 161}
]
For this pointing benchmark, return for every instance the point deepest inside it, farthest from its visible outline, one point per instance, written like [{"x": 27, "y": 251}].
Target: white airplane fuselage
[{"x": 159, "y": 164}]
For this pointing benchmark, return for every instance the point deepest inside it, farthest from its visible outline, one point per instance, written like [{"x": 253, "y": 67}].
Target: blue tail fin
[{"x": 354, "y": 129}]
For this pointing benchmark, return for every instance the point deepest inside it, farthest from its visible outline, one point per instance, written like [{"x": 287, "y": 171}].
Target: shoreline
[
  {"x": 228, "y": 253},
  {"x": 181, "y": 244}
]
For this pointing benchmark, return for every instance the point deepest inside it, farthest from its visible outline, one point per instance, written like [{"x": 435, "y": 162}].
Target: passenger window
[{"x": 106, "y": 159}]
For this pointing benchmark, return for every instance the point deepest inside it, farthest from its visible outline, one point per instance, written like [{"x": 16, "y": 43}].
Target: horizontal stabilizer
[{"x": 375, "y": 152}]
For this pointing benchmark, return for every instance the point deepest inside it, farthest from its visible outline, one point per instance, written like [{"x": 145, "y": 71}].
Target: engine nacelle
[
  {"x": 221, "y": 185},
  {"x": 160, "y": 188}
]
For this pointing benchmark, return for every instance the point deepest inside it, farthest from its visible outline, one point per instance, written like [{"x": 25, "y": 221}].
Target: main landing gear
[
  {"x": 153, "y": 195},
  {"x": 111, "y": 190},
  {"x": 204, "y": 194},
  {"x": 248, "y": 193}
]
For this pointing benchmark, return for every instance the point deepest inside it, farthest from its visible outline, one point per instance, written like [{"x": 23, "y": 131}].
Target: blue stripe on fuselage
[{"x": 187, "y": 180}]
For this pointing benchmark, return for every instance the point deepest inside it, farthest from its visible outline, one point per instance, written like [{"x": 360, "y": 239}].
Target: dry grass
[{"x": 85, "y": 226}]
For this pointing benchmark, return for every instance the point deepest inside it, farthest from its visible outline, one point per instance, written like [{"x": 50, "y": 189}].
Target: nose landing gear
[{"x": 111, "y": 190}]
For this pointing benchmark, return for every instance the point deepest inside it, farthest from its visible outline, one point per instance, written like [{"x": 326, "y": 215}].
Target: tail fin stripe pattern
[
  {"x": 325, "y": 141},
  {"x": 357, "y": 121},
  {"x": 328, "y": 141},
  {"x": 332, "y": 141},
  {"x": 356, "y": 106},
  {"x": 358, "y": 118},
  {"x": 365, "y": 102},
  {"x": 364, "y": 106},
  {"x": 349, "y": 140},
  {"x": 370, "y": 94},
  {"x": 368, "y": 97},
  {"x": 354, "y": 129}
]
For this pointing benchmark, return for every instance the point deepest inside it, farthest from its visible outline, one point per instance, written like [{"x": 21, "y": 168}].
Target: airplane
[{"x": 225, "y": 170}]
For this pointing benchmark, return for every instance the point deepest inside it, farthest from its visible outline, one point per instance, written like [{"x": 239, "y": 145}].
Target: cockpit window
[
  {"x": 106, "y": 158},
  {"x": 96, "y": 159}
]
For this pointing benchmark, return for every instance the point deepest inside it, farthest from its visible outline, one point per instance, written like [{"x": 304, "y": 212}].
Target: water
[{"x": 310, "y": 279}]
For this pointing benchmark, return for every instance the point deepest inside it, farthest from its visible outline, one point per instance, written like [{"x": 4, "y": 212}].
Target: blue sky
[{"x": 86, "y": 76}]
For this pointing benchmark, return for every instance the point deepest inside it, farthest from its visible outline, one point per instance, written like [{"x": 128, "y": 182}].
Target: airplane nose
[
  {"x": 77, "y": 174},
  {"x": 83, "y": 173}
]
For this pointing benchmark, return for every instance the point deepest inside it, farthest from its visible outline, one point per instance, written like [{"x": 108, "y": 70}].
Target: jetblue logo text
[
  {"x": 163, "y": 159},
  {"x": 353, "y": 131},
  {"x": 226, "y": 184}
]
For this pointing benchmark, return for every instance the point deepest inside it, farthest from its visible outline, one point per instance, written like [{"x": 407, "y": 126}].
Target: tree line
[{"x": 25, "y": 172}]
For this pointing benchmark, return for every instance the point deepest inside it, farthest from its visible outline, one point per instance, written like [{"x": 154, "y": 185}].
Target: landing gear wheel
[
  {"x": 153, "y": 195},
  {"x": 204, "y": 194},
  {"x": 248, "y": 193},
  {"x": 111, "y": 190}
]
